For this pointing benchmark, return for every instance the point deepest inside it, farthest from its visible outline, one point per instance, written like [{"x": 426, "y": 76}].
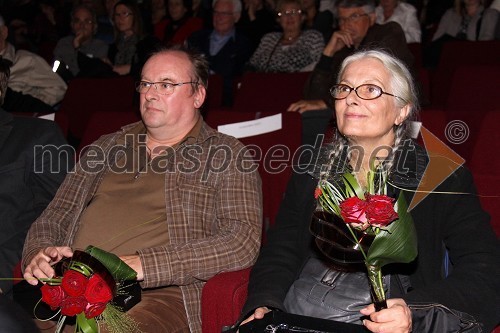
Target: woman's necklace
[{"x": 289, "y": 39}]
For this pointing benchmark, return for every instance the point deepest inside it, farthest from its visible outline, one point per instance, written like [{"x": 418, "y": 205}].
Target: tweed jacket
[{"x": 213, "y": 208}]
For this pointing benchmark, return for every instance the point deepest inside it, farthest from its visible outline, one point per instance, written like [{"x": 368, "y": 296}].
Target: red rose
[
  {"x": 52, "y": 295},
  {"x": 98, "y": 290},
  {"x": 71, "y": 306},
  {"x": 353, "y": 210},
  {"x": 94, "y": 309},
  {"x": 317, "y": 193},
  {"x": 74, "y": 283},
  {"x": 380, "y": 211}
]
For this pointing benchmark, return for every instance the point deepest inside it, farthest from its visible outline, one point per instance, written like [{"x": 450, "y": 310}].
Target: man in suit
[
  {"x": 34, "y": 159},
  {"x": 226, "y": 49}
]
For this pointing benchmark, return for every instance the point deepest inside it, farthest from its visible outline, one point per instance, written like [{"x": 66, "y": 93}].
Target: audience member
[
  {"x": 179, "y": 25},
  {"x": 81, "y": 44},
  {"x": 105, "y": 25},
  {"x": 375, "y": 102},
  {"x": 256, "y": 21},
  {"x": 430, "y": 15},
  {"x": 467, "y": 20},
  {"x": 318, "y": 20},
  {"x": 226, "y": 49},
  {"x": 402, "y": 13},
  {"x": 293, "y": 49},
  {"x": 175, "y": 223},
  {"x": 50, "y": 24},
  {"x": 131, "y": 45},
  {"x": 34, "y": 160},
  {"x": 31, "y": 78},
  {"x": 358, "y": 30}
]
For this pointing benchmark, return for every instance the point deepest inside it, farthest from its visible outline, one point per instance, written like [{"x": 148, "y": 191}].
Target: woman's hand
[
  {"x": 257, "y": 314},
  {"x": 40, "y": 267},
  {"x": 395, "y": 319},
  {"x": 303, "y": 106},
  {"x": 134, "y": 261}
]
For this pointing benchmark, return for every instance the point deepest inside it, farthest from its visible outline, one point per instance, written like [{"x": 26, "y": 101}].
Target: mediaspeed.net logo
[{"x": 443, "y": 161}]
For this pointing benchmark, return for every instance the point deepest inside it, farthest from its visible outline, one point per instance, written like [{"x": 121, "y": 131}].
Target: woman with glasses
[
  {"x": 131, "y": 46},
  {"x": 375, "y": 102},
  {"x": 291, "y": 50}
]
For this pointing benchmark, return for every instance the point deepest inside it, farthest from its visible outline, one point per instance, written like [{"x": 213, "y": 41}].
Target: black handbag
[{"x": 282, "y": 322}]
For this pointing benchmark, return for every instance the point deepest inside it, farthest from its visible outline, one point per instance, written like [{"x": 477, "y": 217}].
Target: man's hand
[
  {"x": 338, "y": 41},
  {"x": 395, "y": 319},
  {"x": 135, "y": 263},
  {"x": 303, "y": 106},
  {"x": 40, "y": 267}
]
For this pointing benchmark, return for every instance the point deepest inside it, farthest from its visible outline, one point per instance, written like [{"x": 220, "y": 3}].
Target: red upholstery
[
  {"x": 223, "y": 295},
  {"x": 105, "y": 122},
  {"x": 455, "y": 54},
  {"x": 269, "y": 92},
  {"x": 474, "y": 88},
  {"x": 87, "y": 95},
  {"x": 230, "y": 287}
]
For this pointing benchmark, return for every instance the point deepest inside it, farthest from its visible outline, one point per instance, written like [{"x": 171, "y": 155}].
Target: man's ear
[{"x": 403, "y": 114}]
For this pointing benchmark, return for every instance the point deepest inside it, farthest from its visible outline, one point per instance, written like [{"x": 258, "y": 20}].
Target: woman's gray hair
[
  {"x": 368, "y": 5},
  {"x": 401, "y": 85}
]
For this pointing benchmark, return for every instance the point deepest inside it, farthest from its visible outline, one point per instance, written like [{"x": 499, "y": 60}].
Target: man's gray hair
[
  {"x": 368, "y": 5},
  {"x": 236, "y": 5}
]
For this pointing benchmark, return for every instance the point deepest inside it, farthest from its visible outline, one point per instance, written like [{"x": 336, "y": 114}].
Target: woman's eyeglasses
[
  {"x": 124, "y": 14},
  {"x": 293, "y": 12},
  {"x": 364, "y": 91}
]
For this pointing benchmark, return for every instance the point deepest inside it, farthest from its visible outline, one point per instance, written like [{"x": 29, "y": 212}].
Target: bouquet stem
[{"x": 377, "y": 287}]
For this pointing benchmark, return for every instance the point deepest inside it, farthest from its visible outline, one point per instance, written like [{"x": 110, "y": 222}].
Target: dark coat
[
  {"x": 29, "y": 179},
  {"x": 389, "y": 37},
  {"x": 454, "y": 222},
  {"x": 229, "y": 62}
]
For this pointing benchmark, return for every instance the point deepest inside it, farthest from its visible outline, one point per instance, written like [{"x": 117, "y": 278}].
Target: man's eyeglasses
[
  {"x": 162, "y": 88},
  {"x": 353, "y": 18},
  {"x": 293, "y": 12},
  {"x": 215, "y": 12},
  {"x": 364, "y": 91},
  {"x": 84, "y": 22},
  {"x": 124, "y": 14}
]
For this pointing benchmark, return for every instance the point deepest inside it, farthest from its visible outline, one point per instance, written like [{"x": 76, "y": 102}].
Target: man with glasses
[
  {"x": 175, "y": 199},
  {"x": 225, "y": 47},
  {"x": 84, "y": 27},
  {"x": 357, "y": 30}
]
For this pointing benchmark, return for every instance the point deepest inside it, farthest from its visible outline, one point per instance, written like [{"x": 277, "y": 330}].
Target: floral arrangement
[
  {"x": 372, "y": 213},
  {"x": 88, "y": 285}
]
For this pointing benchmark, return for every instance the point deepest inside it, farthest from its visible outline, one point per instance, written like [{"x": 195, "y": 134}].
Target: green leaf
[
  {"x": 118, "y": 269},
  {"x": 352, "y": 186},
  {"x": 85, "y": 325},
  {"x": 398, "y": 242}
]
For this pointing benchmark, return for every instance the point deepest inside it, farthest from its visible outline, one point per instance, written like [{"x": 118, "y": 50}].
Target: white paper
[
  {"x": 252, "y": 127},
  {"x": 48, "y": 116}
]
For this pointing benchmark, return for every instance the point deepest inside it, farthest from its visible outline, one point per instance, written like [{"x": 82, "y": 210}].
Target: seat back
[
  {"x": 274, "y": 152},
  {"x": 85, "y": 96},
  {"x": 474, "y": 88},
  {"x": 459, "y": 53},
  {"x": 269, "y": 92},
  {"x": 104, "y": 122}
]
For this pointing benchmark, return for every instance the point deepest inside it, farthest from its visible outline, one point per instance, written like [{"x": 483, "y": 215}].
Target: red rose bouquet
[
  {"x": 89, "y": 283},
  {"x": 372, "y": 214}
]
